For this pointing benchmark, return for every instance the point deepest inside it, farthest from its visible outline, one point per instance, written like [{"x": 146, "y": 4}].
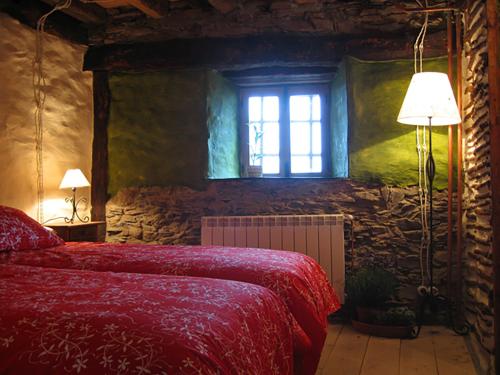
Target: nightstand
[{"x": 93, "y": 231}]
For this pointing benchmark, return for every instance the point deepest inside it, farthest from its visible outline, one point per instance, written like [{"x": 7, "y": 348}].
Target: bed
[
  {"x": 296, "y": 278},
  {"x": 85, "y": 322}
]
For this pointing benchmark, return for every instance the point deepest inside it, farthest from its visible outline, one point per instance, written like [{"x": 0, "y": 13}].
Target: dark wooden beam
[
  {"x": 224, "y": 6},
  {"x": 99, "y": 194},
  {"x": 29, "y": 12},
  {"x": 254, "y": 52},
  {"x": 86, "y": 13},
  {"x": 152, "y": 8},
  {"x": 278, "y": 74}
]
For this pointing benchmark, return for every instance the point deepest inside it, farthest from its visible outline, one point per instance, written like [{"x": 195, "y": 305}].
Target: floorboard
[
  {"x": 418, "y": 357},
  {"x": 451, "y": 353},
  {"x": 331, "y": 340},
  {"x": 382, "y": 357},
  {"x": 437, "y": 351},
  {"x": 347, "y": 355}
]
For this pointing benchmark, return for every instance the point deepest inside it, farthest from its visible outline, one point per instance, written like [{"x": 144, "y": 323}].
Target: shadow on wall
[{"x": 380, "y": 149}]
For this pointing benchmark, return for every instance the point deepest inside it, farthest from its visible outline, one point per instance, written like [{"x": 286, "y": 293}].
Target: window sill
[{"x": 295, "y": 178}]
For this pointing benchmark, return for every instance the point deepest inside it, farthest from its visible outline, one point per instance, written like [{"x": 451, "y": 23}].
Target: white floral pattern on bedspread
[
  {"x": 296, "y": 278},
  {"x": 20, "y": 232},
  {"x": 83, "y": 322}
]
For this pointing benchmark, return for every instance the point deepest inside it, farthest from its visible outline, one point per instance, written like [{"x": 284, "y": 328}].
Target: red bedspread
[
  {"x": 81, "y": 322},
  {"x": 296, "y": 278}
]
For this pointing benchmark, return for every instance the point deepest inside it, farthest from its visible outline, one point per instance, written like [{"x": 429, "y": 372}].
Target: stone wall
[
  {"x": 67, "y": 118},
  {"x": 477, "y": 190},
  {"x": 386, "y": 220}
]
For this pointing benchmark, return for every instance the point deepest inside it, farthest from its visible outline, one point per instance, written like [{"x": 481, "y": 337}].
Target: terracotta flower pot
[
  {"x": 254, "y": 171},
  {"x": 367, "y": 314},
  {"x": 396, "y": 332}
]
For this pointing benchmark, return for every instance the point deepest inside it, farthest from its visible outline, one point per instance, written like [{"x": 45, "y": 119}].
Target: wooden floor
[{"x": 437, "y": 351}]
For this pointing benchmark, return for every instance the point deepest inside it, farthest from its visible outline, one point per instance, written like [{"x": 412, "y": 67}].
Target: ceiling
[
  {"x": 239, "y": 34},
  {"x": 133, "y": 21}
]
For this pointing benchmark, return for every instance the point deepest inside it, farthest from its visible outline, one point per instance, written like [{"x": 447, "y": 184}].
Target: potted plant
[
  {"x": 396, "y": 322},
  {"x": 368, "y": 290},
  {"x": 255, "y": 168}
]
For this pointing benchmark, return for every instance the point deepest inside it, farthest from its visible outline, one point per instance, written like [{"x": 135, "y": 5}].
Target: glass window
[
  {"x": 305, "y": 134},
  {"x": 264, "y": 133},
  {"x": 285, "y": 145}
]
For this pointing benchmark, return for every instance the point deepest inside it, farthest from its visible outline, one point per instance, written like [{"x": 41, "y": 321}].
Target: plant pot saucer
[{"x": 394, "y": 332}]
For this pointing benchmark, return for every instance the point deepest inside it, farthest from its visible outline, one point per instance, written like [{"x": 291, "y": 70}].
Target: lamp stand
[
  {"x": 74, "y": 205},
  {"x": 430, "y": 295}
]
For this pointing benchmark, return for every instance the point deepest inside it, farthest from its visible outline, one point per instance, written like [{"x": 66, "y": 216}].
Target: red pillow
[{"x": 20, "y": 232}]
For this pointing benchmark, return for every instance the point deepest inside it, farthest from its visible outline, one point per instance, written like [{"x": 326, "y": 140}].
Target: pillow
[{"x": 20, "y": 232}]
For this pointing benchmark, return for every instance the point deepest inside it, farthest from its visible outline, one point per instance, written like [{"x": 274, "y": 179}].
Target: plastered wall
[
  {"x": 67, "y": 119},
  {"x": 381, "y": 150},
  {"x": 222, "y": 123},
  {"x": 157, "y": 137},
  {"x": 181, "y": 129}
]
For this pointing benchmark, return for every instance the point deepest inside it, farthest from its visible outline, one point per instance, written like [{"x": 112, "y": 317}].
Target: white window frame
[{"x": 284, "y": 92}]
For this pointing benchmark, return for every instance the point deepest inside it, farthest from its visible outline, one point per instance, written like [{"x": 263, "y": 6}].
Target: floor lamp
[{"x": 429, "y": 102}]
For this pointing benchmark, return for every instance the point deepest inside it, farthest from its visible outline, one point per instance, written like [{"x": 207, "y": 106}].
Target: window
[{"x": 285, "y": 130}]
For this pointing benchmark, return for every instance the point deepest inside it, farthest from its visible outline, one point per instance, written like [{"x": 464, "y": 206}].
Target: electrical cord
[{"x": 39, "y": 85}]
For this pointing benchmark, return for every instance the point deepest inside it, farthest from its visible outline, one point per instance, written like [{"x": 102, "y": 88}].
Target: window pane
[
  {"x": 316, "y": 164},
  {"x": 300, "y": 138},
  {"x": 300, "y": 107},
  {"x": 254, "y": 108},
  {"x": 316, "y": 108},
  {"x": 306, "y": 164},
  {"x": 300, "y": 164},
  {"x": 316, "y": 138},
  {"x": 271, "y": 138},
  {"x": 271, "y": 108},
  {"x": 305, "y": 129},
  {"x": 254, "y": 142},
  {"x": 271, "y": 165}
]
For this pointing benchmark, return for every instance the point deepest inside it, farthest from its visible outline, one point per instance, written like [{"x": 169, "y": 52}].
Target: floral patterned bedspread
[
  {"x": 296, "y": 278},
  {"x": 55, "y": 321}
]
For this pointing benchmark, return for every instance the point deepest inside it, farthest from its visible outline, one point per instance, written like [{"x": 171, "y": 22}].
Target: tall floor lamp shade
[
  {"x": 429, "y": 102},
  {"x": 429, "y": 97}
]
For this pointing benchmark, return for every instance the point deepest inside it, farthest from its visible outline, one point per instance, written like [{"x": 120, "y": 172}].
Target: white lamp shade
[
  {"x": 73, "y": 178},
  {"x": 429, "y": 95}
]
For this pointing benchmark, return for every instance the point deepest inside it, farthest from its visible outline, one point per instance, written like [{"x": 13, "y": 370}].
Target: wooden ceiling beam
[
  {"x": 86, "y": 13},
  {"x": 224, "y": 6},
  {"x": 254, "y": 52},
  {"x": 279, "y": 75},
  {"x": 29, "y": 12},
  {"x": 152, "y": 8}
]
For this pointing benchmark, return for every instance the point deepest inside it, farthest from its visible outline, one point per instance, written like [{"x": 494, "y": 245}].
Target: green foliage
[
  {"x": 255, "y": 144},
  {"x": 397, "y": 316},
  {"x": 370, "y": 287}
]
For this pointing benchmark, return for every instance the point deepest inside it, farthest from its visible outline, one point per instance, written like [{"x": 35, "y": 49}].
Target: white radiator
[{"x": 319, "y": 236}]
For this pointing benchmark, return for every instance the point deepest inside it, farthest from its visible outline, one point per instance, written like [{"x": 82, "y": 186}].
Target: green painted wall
[
  {"x": 381, "y": 149},
  {"x": 339, "y": 120},
  {"x": 222, "y": 122},
  {"x": 180, "y": 127},
  {"x": 157, "y": 129}
]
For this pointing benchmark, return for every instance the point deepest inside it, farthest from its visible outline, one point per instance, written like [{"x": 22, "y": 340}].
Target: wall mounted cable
[{"x": 39, "y": 92}]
